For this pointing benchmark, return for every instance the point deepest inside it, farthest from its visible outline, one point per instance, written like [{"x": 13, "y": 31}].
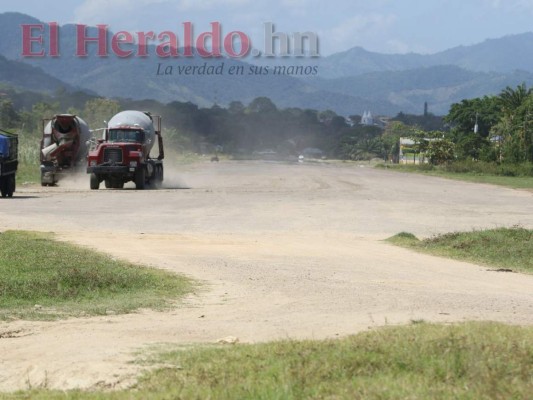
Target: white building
[{"x": 367, "y": 119}]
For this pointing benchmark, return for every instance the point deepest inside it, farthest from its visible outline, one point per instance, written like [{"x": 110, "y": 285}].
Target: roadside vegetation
[
  {"x": 503, "y": 248},
  {"x": 41, "y": 278},
  {"x": 28, "y": 169},
  {"x": 488, "y": 140},
  {"x": 516, "y": 176},
  {"x": 420, "y": 361}
]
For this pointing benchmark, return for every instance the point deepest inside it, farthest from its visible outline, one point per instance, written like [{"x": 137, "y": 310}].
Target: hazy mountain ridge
[
  {"x": 503, "y": 55},
  {"x": 23, "y": 76},
  {"x": 137, "y": 78},
  {"x": 348, "y": 82},
  {"x": 439, "y": 86}
]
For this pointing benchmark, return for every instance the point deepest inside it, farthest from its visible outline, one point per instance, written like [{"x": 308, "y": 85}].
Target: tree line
[
  {"x": 491, "y": 128},
  {"x": 237, "y": 128},
  {"x": 495, "y": 128}
]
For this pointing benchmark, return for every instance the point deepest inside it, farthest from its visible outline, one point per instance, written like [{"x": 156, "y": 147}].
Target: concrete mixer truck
[
  {"x": 8, "y": 162},
  {"x": 123, "y": 154},
  {"x": 63, "y": 145}
]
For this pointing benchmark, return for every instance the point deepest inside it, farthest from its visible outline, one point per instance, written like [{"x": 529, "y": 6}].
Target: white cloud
[
  {"x": 398, "y": 46},
  {"x": 357, "y": 31},
  {"x": 158, "y": 15},
  {"x": 298, "y": 7},
  {"x": 524, "y": 4},
  {"x": 378, "y": 25},
  {"x": 513, "y": 5},
  {"x": 295, "y": 3},
  {"x": 493, "y": 3},
  {"x": 205, "y": 5},
  {"x": 95, "y": 11}
]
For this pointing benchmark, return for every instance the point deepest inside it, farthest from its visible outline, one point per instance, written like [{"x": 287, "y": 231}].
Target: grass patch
[
  {"x": 403, "y": 238},
  {"x": 419, "y": 361},
  {"x": 41, "y": 278},
  {"x": 519, "y": 176},
  {"x": 28, "y": 173},
  {"x": 507, "y": 248},
  {"x": 29, "y": 160}
]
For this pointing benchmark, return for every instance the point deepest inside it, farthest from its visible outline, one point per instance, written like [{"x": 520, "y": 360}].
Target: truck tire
[
  {"x": 45, "y": 179},
  {"x": 140, "y": 178},
  {"x": 43, "y": 183},
  {"x": 158, "y": 176},
  {"x": 161, "y": 173},
  {"x": 3, "y": 186},
  {"x": 11, "y": 184},
  {"x": 95, "y": 183}
]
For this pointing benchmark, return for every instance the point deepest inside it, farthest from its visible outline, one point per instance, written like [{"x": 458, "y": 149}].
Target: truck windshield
[{"x": 126, "y": 135}]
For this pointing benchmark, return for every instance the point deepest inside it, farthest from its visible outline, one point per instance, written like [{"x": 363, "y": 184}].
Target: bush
[
  {"x": 440, "y": 151},
  {"x": 490, "y": 168}
]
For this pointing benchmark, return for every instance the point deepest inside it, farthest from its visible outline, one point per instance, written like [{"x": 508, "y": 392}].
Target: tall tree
[
  {"x": 98, "y": 111},
  {"x": 262, "y": 105},
  {"x": 511, "y": 99},
  {"x": 9, "y": 117}
]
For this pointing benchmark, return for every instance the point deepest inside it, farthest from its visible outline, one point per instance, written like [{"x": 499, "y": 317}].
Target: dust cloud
[
  {"x": 78, "y": 180},
  {"x": 74, "y": 180},
  {"x": 174, "y": 176}
]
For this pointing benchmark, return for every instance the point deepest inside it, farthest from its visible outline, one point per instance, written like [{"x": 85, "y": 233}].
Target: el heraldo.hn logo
[{"x": 43, "y": 40}]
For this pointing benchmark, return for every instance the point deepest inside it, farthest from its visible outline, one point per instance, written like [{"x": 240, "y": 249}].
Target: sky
[{"x": 385, "y": 26}]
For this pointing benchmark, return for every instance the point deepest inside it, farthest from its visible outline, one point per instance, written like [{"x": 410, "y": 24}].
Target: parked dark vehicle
[{"x": 8, "y": 162}]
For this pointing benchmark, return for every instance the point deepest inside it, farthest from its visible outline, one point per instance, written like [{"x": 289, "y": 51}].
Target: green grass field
[
  {"x": 517, "y": 180},
  {"x": 41, "y": 278},
  {"x": 476, "y": 360},
  {"x": 507, "y": 248},
  {"x": 420, "y": 361},
  {"x": 28, "y": 169}
]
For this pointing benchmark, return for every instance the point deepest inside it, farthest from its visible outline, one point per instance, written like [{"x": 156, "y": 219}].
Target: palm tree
[
  {"x": 511, "y": 99},
  {"x": 367, "y": 149}
]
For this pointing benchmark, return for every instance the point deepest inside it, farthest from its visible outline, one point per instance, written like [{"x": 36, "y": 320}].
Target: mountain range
[{"x": 348, "y": 83}]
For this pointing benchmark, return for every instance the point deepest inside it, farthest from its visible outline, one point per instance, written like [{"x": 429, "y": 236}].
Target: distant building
[{"x": 367, "y": 119}]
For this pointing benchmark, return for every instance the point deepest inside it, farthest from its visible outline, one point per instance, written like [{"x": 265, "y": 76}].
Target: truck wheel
[
  {"x": 158, "y": 176},
  {"x": 11, "y": 184},
  {"x": 3, "y": 186},
  {"x": 140, "y": 178},
  {"x": 95, "y": 183},
  {"x": 43, "y": 183},
  {"x": 108, "y": 184}
]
